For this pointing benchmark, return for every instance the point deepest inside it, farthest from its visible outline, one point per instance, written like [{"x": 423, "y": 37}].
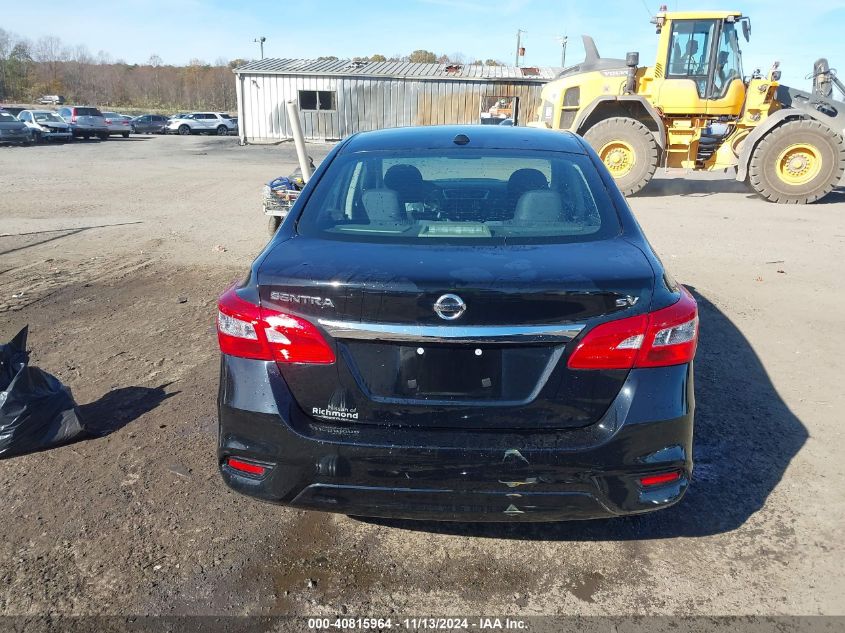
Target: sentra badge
[{"x": 285, "y": 297}]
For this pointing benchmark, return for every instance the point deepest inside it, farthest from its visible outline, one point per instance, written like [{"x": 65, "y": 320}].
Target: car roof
[{"x": 480, "y": 136}]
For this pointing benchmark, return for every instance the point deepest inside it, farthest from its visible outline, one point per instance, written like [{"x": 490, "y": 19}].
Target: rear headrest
[
  {"x": 539, "y": 205},
  {"x": 526, "y": 179},
  {"x": 382, "y": 205},
  {"x": 402, "y": 176}
]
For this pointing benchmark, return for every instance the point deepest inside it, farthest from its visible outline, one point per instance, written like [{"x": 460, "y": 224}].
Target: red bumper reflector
[
  {"x": 662, "y": 478},
  {"x": 245, "y": 467}
]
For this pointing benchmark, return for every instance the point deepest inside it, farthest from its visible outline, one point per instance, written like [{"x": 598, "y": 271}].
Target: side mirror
[{"x": 746, "y": 29}]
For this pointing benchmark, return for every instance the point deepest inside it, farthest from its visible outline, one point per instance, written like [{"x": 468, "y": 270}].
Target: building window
[
  {"x": 317, "y": 100},
  {"x": 498, "y": 110}
]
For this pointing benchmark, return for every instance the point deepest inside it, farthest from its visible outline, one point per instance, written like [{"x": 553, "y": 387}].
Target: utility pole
[
  {"x": 519, "y": 49},
  {"x": 261, "y": 41},
  {"x": 563, "y": 39}
]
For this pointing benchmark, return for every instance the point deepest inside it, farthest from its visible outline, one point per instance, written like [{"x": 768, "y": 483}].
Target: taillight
[
  {"x": 249, "y": 331},
  {"x": 657, "y": 339}
]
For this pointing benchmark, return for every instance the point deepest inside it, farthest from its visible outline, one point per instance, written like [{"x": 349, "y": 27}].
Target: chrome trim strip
[{"x": 452, "y": 333}]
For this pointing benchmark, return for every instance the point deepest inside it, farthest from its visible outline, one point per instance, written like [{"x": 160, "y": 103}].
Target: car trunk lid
[{"x": 498, "y": 364}]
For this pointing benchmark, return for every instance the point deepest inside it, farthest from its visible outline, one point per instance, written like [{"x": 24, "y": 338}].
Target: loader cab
[{"x": 699, "y": 63}]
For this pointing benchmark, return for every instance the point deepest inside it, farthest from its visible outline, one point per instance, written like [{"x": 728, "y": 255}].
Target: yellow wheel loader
[{"x": 694, "y": 109}]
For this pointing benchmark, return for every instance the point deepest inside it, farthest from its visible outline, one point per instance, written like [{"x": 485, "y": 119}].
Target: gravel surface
[{"x": 114, "y": 252}]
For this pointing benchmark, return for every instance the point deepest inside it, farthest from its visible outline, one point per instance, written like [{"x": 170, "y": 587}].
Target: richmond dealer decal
[{"x": 340, "y": 407}]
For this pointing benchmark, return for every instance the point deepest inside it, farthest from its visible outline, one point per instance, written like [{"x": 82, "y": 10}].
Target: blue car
[{"x": 459, "y": 323}]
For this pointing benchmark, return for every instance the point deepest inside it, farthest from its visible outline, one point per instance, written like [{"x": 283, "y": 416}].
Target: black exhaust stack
[{"x": 632, "y": 60}]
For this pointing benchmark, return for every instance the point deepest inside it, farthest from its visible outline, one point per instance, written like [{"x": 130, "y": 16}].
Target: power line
[{"x": 645, "y": 5}]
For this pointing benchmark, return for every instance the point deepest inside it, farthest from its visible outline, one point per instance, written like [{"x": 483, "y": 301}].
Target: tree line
[{"x": 47, "y": 66}]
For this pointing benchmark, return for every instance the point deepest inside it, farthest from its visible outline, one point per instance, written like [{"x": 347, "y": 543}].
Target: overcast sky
[{"x": 796, "y": 33}]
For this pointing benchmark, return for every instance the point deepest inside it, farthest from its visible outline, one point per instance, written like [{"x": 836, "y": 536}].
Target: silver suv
[
  {"x": 202, "y": 123},
  {"x": 85, "y": 122},
  {"x": 51, "y": 100}
]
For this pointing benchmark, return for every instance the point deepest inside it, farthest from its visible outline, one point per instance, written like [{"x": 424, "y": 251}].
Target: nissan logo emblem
[{"x": 450, "y": 307}]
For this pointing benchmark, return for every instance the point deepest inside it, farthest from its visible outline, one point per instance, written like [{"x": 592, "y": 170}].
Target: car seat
[
  {"x": 523, "y": 180},
  {"x": 382, "y": 206},
  {"x": 538, "y": 207}
]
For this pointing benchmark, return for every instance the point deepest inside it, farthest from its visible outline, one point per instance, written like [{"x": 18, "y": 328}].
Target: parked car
[
  {"x": 51, "y": 100},
  {"x": 45, "y": 125},
  {"x": 12, "y": 130},
  {"x": 118, "y": 123},
  {"x": 203, "y": 123},
  {"x": 13, "y": 110},
  {"x": 85, "y": 121},
  {"x": 149, "y": 124},
  {"x": 460, "y": 323}
]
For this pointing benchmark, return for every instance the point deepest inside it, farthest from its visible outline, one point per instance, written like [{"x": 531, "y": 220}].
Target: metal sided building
[{"x": 340, "y": 97}]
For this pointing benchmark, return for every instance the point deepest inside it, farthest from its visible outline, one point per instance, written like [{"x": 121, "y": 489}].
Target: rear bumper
[
  {"x": 585, "y": 473},
  {"x": 88, "y": 131}
]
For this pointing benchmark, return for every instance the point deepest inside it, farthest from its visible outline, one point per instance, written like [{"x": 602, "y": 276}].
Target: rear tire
[
  {"x": 184, "y": 130},
  {"x": 628, "y": 150},
  {"x": 125, "y": 135},
  {"x": 273, "y": 224},
  {"x": 797, "y": 163},
  {"x": 103, "y": 137}
]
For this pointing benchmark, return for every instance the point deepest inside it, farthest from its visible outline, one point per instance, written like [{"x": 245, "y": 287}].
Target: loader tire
[
  {"x": 797, "y": 163},
  {"x": 628, "y": 150}
]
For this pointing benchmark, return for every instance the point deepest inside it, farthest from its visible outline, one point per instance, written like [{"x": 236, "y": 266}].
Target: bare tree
[
  {"x": 48, "y": 52},
  {"x": 5, "y": 49}
]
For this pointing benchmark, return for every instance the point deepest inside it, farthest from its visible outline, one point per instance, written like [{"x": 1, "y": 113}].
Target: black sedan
[
  {"x": 13, "y": 131},
  {"x": 459, "y": 323}
]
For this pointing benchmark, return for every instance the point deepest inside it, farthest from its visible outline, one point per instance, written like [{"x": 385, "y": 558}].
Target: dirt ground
[{"x": 114, "y": 254}]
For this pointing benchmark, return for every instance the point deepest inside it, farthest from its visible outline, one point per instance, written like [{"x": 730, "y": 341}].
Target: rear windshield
[
  {"x": 88, "y": 112},
  {"x": 461, "y": 194}
]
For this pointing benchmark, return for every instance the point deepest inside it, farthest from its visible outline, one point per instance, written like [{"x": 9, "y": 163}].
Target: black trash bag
[{"x": 36, "y": 410}]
